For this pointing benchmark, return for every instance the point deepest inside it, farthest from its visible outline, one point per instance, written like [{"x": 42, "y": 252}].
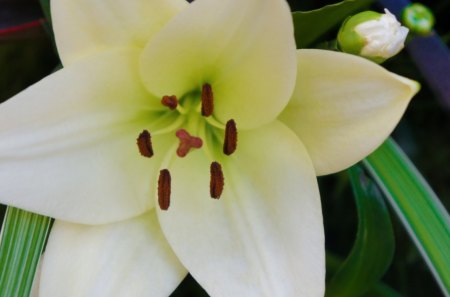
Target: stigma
[{"x": 187, "y": 142}]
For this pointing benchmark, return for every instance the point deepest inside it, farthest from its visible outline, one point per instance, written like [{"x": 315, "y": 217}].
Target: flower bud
[
  {"x": 372, "y": 35},
  {"x": 418, "y": 18}
]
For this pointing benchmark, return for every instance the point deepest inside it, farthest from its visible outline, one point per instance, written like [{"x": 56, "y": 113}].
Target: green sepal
[{"x": 349, "y": 41}]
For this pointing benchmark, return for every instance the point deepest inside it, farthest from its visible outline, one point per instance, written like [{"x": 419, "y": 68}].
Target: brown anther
[
  {"x": 187, "y": 142},
  {"x": 144, "y": 143},
  {"x": 170, "y": 101},
  {"x": 217, "y": 181},
  {"x": 164, "y": 182},
  {"x": 230, "y": 142},
  {"x": 207, "y": 100}
]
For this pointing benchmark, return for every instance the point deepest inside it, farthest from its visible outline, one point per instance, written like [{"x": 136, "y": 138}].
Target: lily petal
[
  {"x": 244, "y": 49},
  {"x": 264, "y": 237},
  {"x": 130, "y": 258},
  {"x": 344, "y": 107},
  {"x": 68, "y": 143},
  {"x": 83, "y": 27}
]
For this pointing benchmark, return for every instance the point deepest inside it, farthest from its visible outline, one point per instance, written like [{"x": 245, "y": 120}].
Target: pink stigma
[{"x": 187, "y": 142}]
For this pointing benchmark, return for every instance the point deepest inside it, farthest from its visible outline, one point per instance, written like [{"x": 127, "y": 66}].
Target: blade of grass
[
  {"x": 22, "y": 239},
  {"x": 417, "y": 206}
]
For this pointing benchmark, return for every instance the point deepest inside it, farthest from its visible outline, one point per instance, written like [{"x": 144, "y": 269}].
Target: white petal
[
  {"x": 264, "y": 237},
  {"x": 68, "y": 144},
  {"x": 244, "y": 49},
  {"x": 129, "y": 258},
  {"x": 344, "y": 107},
  {"x": 83, "y": 27}
]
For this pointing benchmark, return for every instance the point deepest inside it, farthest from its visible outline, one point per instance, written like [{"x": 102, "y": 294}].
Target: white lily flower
[{"x": 68, "y": 147}]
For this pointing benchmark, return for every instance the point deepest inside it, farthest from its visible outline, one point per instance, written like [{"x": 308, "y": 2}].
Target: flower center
[{"x": 194, "y": 125}]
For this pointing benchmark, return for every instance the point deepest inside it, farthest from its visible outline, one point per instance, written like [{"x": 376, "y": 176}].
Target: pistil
[{"x": 187, "y": 142}]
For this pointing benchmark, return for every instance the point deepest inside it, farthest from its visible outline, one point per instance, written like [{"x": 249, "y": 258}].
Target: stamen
[
  {"x": 207, "y": 100},
  {"x": 170, "y": 101},
  {"x": 144, "y": 143},
  {"x": 230, "y": 142},
  {"x": 217, "y": 181},
  {"x": 187, "y": 142},
  {"x": 164, "y": 182}
]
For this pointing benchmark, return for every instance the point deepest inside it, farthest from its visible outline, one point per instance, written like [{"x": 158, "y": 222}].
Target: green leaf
[
  {"x": 374, "y": 246},
  {"x": 45, "y": 5},
  {"x": 310, "y": 25},
  {"x": 334, "y": 262},
  {"x": 382, "y": 290},
  {"x": 418, "y": 207},
  {"x": 22, "y": 240}
]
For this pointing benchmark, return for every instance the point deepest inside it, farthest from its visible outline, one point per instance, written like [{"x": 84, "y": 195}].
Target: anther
[
  {"x": 187, "y": 142},
  {"x": 230, "y": 142},
  {"x": 170, "y": 101},
  {"x": 144, "y": 143},
  {"x": 207, "y": 100},
  {"x": 217, "y": 181},
  {"x": 164, "y": 182}
]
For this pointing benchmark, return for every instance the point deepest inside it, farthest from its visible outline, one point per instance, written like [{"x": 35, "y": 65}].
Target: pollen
[
  {"x": 164, "y": 182},
  {"x": 187, "y": 142},
  {"x": 207, "y": 100},
  {"x": 170, "y": 101},
  {"x": 217, "y": 181},
  {"x": 144, "y": 143},
  {"x": 230, "y": 142}
]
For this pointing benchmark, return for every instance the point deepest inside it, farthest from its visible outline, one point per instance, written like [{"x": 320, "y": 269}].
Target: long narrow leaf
[
  {"x": 417, "y": 205},
  {"x": 374, "y": 246},
  {"x": 22, "y": 240}
]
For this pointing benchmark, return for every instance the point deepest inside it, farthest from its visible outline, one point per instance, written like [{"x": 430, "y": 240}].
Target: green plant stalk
[
  {"x": 418, "y": 207},
  {"x": 22, "y": 241}
]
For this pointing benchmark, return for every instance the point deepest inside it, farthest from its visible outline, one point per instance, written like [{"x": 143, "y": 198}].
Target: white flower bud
[{"x": 373, "y": 35}]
